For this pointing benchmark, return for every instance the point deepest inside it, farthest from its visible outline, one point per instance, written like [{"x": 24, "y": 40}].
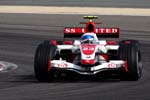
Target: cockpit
[{"x": 88, "y": 38}]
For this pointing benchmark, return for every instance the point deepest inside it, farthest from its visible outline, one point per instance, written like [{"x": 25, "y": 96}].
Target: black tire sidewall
[
  {"x": 131, "y": 53},
  {"x": 44, "y": 53}
]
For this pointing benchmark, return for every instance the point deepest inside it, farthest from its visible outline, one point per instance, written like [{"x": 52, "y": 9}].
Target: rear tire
[
  {"x": 129, "y": 51},
  {"x": 44, "y": 53}
]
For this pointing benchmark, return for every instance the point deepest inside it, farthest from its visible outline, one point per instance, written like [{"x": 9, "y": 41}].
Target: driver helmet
[{"x": 88, "y": 39}]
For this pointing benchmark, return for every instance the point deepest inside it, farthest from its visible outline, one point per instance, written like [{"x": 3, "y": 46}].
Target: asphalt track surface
[
  {"x": 21, "y": 33},
  {"x": 88, "y": 3}
]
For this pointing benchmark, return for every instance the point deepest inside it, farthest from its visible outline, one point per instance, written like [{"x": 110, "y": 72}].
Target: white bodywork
[
  {"x": 61, "y": 64},
  {"x": 100, "y": 46}
]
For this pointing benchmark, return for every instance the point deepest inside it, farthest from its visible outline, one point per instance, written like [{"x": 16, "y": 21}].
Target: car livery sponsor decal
[
  {"x": 112, "y": 65},
  {"x": 62, "y": 65},
  {"x": 88, "y": 49}
]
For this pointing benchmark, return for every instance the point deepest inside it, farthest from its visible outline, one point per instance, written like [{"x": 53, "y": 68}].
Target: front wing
[{"x": 63, "y": 65}]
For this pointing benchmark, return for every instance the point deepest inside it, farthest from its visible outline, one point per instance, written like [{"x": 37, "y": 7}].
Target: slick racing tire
[
  {"x": 44, "y": 53},
  {"x": 129, "y": 51}
]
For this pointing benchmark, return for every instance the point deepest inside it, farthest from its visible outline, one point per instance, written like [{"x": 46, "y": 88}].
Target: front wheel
[
  {"x": 44, "y": 53},
  {"x": 129, "y": 51}
]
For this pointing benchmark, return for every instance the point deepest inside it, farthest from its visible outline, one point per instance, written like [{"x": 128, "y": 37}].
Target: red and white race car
[{"x": 88, "y": 55}]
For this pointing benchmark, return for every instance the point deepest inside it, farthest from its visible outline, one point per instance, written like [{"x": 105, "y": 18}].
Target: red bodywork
[
  {"x": 88, "y": 50},
  {"x": 88, "y": 62},
  {"x": 91, "y": 28}
]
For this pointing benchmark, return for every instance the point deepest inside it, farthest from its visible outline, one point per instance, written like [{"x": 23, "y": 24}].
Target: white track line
[{"x": 75, "y": 10}]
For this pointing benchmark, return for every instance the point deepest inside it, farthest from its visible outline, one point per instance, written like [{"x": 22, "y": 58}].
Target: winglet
[{"x": 90, "y": 18}]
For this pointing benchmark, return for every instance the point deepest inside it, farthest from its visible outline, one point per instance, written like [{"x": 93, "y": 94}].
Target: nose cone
[
  {"x": 88, "y": 54},
  {"x": 88, "y": 62}
]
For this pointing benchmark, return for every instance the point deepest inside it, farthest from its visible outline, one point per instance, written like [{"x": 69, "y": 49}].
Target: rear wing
[{"x": 100, "y": 32}]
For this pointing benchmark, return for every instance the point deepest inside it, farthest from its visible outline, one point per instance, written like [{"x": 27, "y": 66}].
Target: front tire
[
  {"x": 129, "y": 51},
  {"x": 44, "y": 53}
]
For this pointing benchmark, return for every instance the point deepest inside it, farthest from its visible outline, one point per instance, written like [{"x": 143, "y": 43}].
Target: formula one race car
[{"x": 88, "y": 56}]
